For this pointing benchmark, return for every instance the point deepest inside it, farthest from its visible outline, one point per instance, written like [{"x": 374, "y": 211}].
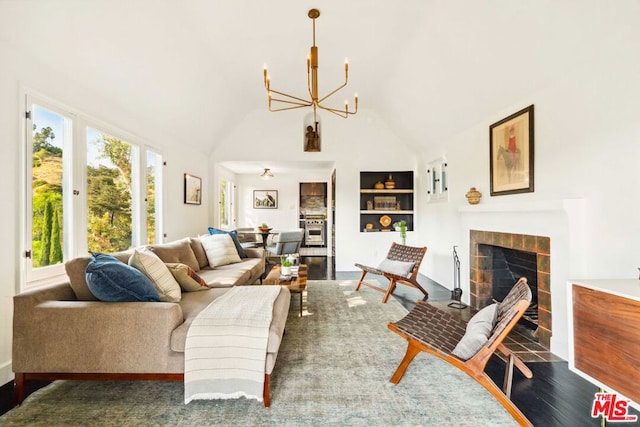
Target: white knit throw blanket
[{"x": 226, "y": 345}]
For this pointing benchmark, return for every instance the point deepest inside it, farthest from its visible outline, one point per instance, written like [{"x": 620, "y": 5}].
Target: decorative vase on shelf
[
  {"x": 378, "y": 185},
  {"x": 389, "y": 184},
  {"x": 473, "y": 196}
]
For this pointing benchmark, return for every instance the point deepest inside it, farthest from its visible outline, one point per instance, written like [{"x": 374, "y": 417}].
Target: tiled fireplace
[{"x": 481, "y": 274}]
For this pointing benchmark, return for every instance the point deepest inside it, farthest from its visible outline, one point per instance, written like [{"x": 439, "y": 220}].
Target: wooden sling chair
[
  {"x": 435, "y": 331},
  {"x": 400, "y": 266}
]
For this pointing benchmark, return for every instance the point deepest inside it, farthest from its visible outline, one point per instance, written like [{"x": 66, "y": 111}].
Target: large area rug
[{"x": 333, "y": 368}]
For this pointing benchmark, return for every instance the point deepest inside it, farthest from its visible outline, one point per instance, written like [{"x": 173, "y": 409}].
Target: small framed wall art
[
  {"x": 265, "y": 199},
  {"x": 511, "y": 154},
  {"x": 192, "y": 189}
]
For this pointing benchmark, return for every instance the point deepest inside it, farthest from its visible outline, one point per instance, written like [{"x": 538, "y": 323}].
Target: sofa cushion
[
  {"x": 198, "y": 250},
  {"x": 179, "y": 251},
  {"x": 477, "y": 334},
  {"x": 220, "y": 249},
  {"x": 242, "y": 273},
  {"x": 153, "y": 267},
  {"x": 109, "y": 279},
  {"x": 234, "y": 237},
  {"x": 223, "y": 278},
  {"x": 76, "y": 270},
  {"x": 193, "y": 303},
  {"x": 188, "y": 279}
]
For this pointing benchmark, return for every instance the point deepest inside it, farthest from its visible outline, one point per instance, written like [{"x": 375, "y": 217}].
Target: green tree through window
[
  {"x": 109, "y": 195},
  {"x": 46, "y": 189}
]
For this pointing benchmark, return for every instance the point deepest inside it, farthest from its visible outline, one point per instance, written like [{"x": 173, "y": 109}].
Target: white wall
[
  {"x": 361, "y": 143},
  {"x": 287, "y": 215},
  {"x": 181, "y": 219},
  {"x": 586, "y": 149},
  {"x": 18, "y": 72},
  {"x": 9, "y": 218},
  {"x": 586, "y": 173}
]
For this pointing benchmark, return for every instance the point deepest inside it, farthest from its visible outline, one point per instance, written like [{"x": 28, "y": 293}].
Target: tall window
[
  {"x": 50, "y": 135},
  {"x": 109, "y": 192},
  {"x": 110, "y": 203},
  {"x": 227, "y": 196},
  {"x": 154, "y": 197}
]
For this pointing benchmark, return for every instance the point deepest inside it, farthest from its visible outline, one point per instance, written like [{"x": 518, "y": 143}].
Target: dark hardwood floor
[{"x": 555, "y": 396}]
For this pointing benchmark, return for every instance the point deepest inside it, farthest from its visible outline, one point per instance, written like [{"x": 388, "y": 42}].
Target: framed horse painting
[{"x": 511, "y": 153}]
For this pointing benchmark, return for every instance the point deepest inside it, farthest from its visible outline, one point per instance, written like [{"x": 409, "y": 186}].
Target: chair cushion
[
  {"x": 114, "y": 281},
  {"x": 399, "y": 268},
  {"x": 188, "y": 279},
  {"x": 234, "y": 237},
  {"x": 153, "y": 267},
  {"x": 477, "y": 333},
  {"x": 220, "y": 249}
]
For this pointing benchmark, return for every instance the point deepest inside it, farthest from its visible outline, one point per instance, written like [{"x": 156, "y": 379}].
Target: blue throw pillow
[
  {"x": 234, "y": 237},
  {"x": 114, "y": 281}
]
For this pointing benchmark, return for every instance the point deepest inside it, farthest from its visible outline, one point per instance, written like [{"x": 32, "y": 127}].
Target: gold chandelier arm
[
  {"x": 306, "y": 102},
  {"x": 286, "y": 101},
  {"x": 342, "y": 113},
  {"x": 334, "y": 91},
  {"x": 286, "y": 108}
]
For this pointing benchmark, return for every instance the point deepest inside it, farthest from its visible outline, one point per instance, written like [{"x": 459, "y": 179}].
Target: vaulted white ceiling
[{"x": 193, "y": 68}]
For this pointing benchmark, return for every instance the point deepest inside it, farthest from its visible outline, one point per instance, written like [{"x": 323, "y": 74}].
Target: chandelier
[{"x": 290, "y": 102}]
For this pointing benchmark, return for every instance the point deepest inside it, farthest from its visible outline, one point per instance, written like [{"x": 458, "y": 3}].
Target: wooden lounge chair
[
  {"x": 400, "y": 266},
  {"x": 435, "y": 331}
]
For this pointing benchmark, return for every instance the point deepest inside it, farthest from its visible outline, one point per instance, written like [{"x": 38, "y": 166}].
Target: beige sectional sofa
[{"x": 62, "y": 331}]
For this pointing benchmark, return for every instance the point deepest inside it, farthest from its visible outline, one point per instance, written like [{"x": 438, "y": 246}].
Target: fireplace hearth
[{"x": 497, "y": 260}]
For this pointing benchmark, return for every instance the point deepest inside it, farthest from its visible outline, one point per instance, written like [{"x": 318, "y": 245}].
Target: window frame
[
  {"x": 228, "y": 205},
  {"x": 75, "y": 206}
]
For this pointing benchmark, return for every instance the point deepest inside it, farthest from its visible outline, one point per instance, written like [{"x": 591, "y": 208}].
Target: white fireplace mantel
[
  {"x": 560, "y": 205},
  {"x": 564, "y": 221}
]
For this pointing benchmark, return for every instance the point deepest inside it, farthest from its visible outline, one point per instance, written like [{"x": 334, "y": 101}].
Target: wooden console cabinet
[{"x": 604, "y": 324}]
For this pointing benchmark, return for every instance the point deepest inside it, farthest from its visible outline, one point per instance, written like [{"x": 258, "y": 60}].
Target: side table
[{"x": 296, "y": 285}]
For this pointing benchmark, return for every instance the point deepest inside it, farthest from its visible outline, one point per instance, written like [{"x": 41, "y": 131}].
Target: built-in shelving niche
[{"x": 396, "y": 203}]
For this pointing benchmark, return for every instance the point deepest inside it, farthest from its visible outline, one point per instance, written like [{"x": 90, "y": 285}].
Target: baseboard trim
[{"x": 6, "y": 373}]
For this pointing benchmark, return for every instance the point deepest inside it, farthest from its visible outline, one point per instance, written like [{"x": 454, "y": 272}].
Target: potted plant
[
  {"x": 285, "y": 267},
  {"x": 264, "y": 227},
  {"x": 401, "y": 226}
]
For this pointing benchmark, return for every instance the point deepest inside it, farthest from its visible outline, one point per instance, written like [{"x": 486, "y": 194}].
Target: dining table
[{"x": 264, "y": 234}]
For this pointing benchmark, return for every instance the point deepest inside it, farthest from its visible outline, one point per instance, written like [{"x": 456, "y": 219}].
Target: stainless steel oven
[{"x": 314, "y": 230}]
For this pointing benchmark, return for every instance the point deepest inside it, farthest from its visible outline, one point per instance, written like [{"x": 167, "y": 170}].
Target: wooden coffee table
[{"x": 296, "y": 285}]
